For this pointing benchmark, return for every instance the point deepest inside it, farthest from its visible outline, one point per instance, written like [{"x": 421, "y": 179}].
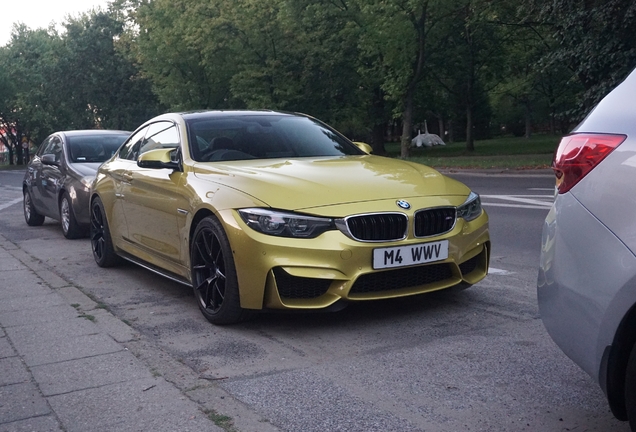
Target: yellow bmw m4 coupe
[{"x": 270, "y": 210}]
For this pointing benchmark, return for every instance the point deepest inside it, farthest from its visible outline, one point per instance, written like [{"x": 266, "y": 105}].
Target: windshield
[
  {"x": 94, "y": 148},
  {"x": 264, "y": 137}
]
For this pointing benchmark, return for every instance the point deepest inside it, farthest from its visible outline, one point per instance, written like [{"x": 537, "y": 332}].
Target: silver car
[
  {"x": 58, "y": 178},
  {"x": 587, "y": 277}
]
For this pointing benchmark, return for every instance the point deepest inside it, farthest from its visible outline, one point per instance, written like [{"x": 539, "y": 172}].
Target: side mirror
[
  {"x": 157, "y": 159},
  {"x": 49, "y": 159},
  {"x": 364, "y": 147}
]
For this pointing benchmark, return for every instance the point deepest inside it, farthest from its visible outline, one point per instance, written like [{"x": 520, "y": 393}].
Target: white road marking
[
  {"x": 10, "y": 203},
  {"x": 499, "y": 272},
  {"x": 520, "y": 201}
]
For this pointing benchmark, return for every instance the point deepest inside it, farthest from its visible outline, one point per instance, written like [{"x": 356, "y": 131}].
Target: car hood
[
  {"x": 298, "y": 184},
  {"x": 86, "y": 169}
]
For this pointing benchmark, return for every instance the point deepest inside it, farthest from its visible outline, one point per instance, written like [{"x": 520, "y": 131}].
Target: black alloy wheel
[
  {"x": 32, "y": 217},
  {"x": 214, "y": 275},
  {"x": 101, "y": 242}
]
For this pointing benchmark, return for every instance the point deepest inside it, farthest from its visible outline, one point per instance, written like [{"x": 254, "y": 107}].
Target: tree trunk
[
  {"x": 470, "y": 139},
  {"x": 378, "y": 139},
  {"x": 440, "y": 124},
  {"x": 528, "y": 117},
  {"x": 19, "y": 155},
  {"x": 407, "y": 125}
]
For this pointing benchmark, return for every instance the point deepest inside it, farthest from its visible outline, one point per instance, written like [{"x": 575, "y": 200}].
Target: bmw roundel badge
[{"x": 403, "y": 204}]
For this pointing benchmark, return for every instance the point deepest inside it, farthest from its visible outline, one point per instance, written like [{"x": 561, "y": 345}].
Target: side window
[
  {"x": 130, "y": 150},
  {"x": 160, "y": 135},
  {"x": 43, "y": 147},
  {"x": 54, "y": 147}
]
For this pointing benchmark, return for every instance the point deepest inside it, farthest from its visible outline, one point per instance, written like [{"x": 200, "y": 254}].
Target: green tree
[
  {"x": 31, "y": 62},
  {"x": 593, "y": 38},
  {"x": 99, "y": 83}
]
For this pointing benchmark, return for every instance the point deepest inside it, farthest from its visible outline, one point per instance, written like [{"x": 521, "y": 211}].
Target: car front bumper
[{"x": 284, "y": 273}]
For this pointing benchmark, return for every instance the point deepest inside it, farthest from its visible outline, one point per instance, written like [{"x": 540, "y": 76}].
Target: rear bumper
[{"x": 584, "y": 289}]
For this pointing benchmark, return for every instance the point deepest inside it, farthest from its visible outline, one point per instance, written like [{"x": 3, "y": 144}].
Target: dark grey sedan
[{"x": 58, "y": 178}]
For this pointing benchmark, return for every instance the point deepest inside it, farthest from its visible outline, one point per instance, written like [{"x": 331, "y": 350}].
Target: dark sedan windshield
[
  {"x": 264, "y": 137},
  {"x": 94, "y": 148}
]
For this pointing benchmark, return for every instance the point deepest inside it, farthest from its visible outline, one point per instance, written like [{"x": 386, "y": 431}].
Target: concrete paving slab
[
  {"x": 52, "y": 280},
  {"x": 40, "y": 315},
  {"x": 31, "y": 302},
  {"x": 58, "y": 350},
  {"x": 38, "y": 335},
  {"x": 13, "y": 372},
  {"x": 10, "y": 263},
  {"x": 25, "y": 258},
  {"x": 112, "y": 325},
  {"x": 142, "y": 405},
  {"x": 20, "y": 402},
  {"x": 21, "y": 283},
  {"x": 75, "y": 297},
  {"x": 37, "y": 424},
  {"x": 92, "y": 372}
]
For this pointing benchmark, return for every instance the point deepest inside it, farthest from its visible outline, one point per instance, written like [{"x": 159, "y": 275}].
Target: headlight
[
  {"x": 471, "y": 209},
  {"x": 284, "y": 224}
]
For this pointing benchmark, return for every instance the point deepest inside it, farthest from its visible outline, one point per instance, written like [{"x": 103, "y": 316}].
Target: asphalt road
[{"x": 477, "y": 360}]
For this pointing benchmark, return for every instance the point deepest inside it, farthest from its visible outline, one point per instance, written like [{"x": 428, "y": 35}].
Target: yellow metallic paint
[{"x": 159, "y": 230}]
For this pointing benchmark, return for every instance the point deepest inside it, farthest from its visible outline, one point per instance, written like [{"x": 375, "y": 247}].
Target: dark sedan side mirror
[
  {"x": 49, "y": 159},
  {"x": 157, "y": 159}
]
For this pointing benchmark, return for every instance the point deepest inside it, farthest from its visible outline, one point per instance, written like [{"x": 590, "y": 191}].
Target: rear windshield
[
  {"x": 264, "y": 137},
  {"x": 94, "y": 148}
]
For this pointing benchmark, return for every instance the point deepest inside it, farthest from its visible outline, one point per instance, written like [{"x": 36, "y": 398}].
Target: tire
[
  {"x": 101, "y": 241},
  {"x": 214, "y": 275},
  {"x": 630, "y": 389},
  {"x": 70, "y": 228},
  {"x": 32, "y": 217}
]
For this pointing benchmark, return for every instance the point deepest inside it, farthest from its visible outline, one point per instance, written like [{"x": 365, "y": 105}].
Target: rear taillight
[{"x": 578, "y": 154}]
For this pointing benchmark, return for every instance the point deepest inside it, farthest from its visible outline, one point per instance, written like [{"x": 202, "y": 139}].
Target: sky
[{"x": 40, "y": 13}]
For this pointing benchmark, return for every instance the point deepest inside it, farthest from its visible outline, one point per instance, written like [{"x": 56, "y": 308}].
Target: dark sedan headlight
[
  {"x": 471, "y": 209},
  {"x": 284, "y": 224}
]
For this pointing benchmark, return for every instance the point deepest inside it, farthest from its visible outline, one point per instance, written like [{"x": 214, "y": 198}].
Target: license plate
[{"x": 402, "y": 256}]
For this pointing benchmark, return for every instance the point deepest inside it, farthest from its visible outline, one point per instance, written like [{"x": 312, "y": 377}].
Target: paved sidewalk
[{"x": 60, "y": 371}]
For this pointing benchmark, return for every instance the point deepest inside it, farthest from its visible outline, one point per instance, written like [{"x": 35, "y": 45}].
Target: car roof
[
  {"x": 615, "y": 112},
  {"x": 85, "y": 132},
  {"x": 196, "y": 115}
]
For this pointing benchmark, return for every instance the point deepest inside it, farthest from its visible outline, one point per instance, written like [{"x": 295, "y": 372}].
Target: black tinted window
[
  {"x": 54, "y": 147},
  {"x": 94, "y": 148},
  {"x": 264, "y": 137}
]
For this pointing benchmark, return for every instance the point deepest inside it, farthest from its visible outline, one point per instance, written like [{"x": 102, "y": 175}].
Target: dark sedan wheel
[
  {"x": 70, "y": 228},
  {"x": 214, "y": 275},
  {"x": 101, "y": 242},
  {"x": 32, "y": 217}
]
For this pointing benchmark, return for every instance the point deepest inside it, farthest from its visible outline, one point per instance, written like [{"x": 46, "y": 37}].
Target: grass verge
[{"x": 506, "y": 153}]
